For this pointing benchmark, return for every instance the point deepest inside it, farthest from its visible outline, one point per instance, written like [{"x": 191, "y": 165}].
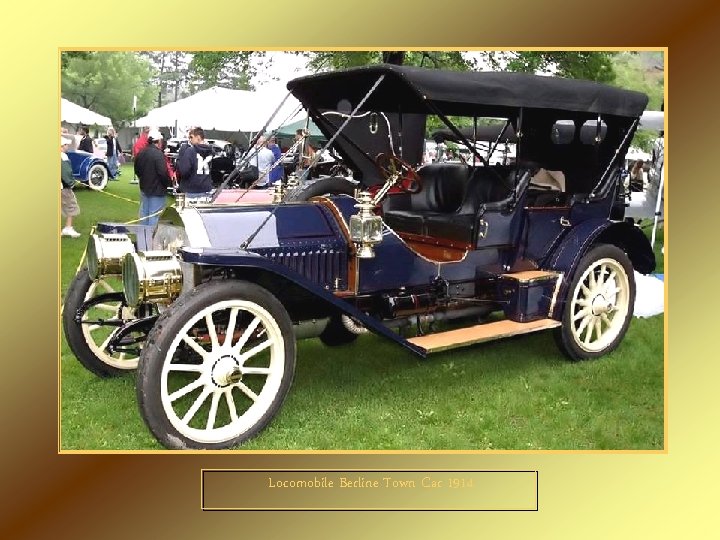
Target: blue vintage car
[
  {"x": 208, "y": 305},
  {"x": 89, "y": 169}
]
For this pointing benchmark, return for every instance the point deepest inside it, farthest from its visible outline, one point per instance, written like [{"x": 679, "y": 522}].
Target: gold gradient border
[{"x": 599, "y": 495}]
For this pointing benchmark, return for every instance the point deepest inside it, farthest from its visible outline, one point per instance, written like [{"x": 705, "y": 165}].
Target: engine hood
[{"x": 223, "y": 227}]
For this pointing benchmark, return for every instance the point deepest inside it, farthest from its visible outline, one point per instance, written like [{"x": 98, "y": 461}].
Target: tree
[
  {"x": 327, "y": 60},
  {"x": 67, "y": 55},
  {"x": 106, "y": 82},
  {"x": 589, "y": 65},
  {"x": 231, "y": 69},
  {"x": 642, "y": 71},
  {"x": 171, "y": 68}
]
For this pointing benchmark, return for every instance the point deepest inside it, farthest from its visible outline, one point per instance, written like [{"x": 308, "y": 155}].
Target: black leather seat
[
  {"x": 485, "y": 187},
  {"x": 443, "y": 186}
]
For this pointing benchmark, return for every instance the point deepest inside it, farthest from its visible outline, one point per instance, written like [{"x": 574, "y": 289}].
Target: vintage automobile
[
  {"x": 209, "y": 304},
  {"x": 89, "y": 169}
]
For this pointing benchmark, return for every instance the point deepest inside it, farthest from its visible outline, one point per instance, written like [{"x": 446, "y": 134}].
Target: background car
[
  {"x": 89, "y": 169},
  {"x": 100, "y": 147},
  {"x": 223, "y": 160}
]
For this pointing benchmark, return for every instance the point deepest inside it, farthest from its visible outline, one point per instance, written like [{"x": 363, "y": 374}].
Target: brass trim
[{"x": 353, "y": 267}]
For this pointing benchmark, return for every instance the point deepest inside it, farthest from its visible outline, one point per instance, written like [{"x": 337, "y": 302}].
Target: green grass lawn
[{"x": 517, "y": 393}]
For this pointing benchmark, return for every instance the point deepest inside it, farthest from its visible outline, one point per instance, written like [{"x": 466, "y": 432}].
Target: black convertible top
[{"x": 409, "y": 89}]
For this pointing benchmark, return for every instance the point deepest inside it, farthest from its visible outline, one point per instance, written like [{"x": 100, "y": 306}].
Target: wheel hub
[
  {"x": 226, "y": 371},
  {"x": 600, "y": 305}
]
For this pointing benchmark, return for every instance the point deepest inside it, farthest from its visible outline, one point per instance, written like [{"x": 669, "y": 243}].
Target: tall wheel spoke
[
  {"x": 192, "y": 411},
  {"x": 598, "y": 328},
  {"x": 581, "y": 314},
  {"x": 245, "y": 390},
  {"x": 230, "y": 331},
  {"x": 585, "y": 290},
  {"x": 197, "y": 383},
  {"x": 106, "y": 342},
  {"x": 195, "y": 346},
  {"x": 212, "y": 331},
  {"x": 246, "y": 335},
  {"x": 231, "y": 404},
  {"x": 610, "y": 279},
  {"x": 186, "y": 368},
  {"x": 255, "y": 350},
  {"x": 588, "y": 332},
  {"x": 592, "y": 282},
  {"x": 605, "y": 319},
  {"x": 583, "y": 324},
  {"x": 612, "y": 292},
  {"x": 212, "y": 413},
  {"x": 256, "y": 371}
]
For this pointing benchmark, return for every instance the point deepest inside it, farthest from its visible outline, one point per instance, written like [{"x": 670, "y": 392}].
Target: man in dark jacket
[
  {"x": 86, "y": 143},
  {"x": 151, "y": 169},
  {"x": 193, "y": 166}
]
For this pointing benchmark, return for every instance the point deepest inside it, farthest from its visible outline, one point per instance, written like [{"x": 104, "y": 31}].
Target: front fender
[
  {"x": 237, "y": 258},
  {"x": 578, "y": 242}
]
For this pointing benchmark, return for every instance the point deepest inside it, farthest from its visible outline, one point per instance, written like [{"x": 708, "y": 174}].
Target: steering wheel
[{"x": 390, "y": 165}]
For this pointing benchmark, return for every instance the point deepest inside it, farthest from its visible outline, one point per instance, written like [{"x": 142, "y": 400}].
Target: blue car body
[{"x": 89, "y": 169}]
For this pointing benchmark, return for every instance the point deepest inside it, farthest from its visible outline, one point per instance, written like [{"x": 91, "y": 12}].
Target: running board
[{"x": 463, "y": 337}]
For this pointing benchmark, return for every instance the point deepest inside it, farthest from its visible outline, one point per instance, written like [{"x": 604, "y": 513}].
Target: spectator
[
  {"x": 262, "y": 158},
  {"x": 193, "y": 165},
  {"x": 73, "y": 140},
  {"x": 68, "y": 202},
  {"x": 170, "y": 169},
  {"x": 305, "y": 150},
  {"x": 113, "y": 153},
  {"x": 276, "y": 174},
  {"x": 86, "y": 143},
  {"x": 151, "y": 169},
  {"x": 140, "y": 144},
  {"x": 637, "y": 179}
]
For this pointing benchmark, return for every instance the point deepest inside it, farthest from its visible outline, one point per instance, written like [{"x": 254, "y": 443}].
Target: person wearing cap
[
  {"x": 151, "y": 169},
  {"x": 68, "y": 202},
  {"x": 193, "y": 166}
]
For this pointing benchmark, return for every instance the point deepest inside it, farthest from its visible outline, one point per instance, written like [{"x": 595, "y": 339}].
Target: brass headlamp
[
  {"x": 105, "y": 253},
  {"x": 151, "y": 276}
]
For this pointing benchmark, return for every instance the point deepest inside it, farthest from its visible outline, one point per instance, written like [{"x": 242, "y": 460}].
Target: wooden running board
[
  {"x": 462, "y": 337},
  {"x": 531, "y": 275}
]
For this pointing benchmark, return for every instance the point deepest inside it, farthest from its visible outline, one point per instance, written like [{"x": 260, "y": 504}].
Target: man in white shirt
[{"x": 264, "y": 160}]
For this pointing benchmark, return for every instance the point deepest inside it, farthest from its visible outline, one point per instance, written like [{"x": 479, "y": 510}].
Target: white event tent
[
  {"x": 75, "y": 114},
  {"x": 653, "y": 120},
  {"x": 223, "y": 109}
]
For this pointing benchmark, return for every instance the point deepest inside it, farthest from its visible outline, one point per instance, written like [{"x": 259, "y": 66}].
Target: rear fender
[
  {"x": 580, "y": 240},
  {"x": 89, "y": 162},
  {"x": 245, "y": 262}
]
